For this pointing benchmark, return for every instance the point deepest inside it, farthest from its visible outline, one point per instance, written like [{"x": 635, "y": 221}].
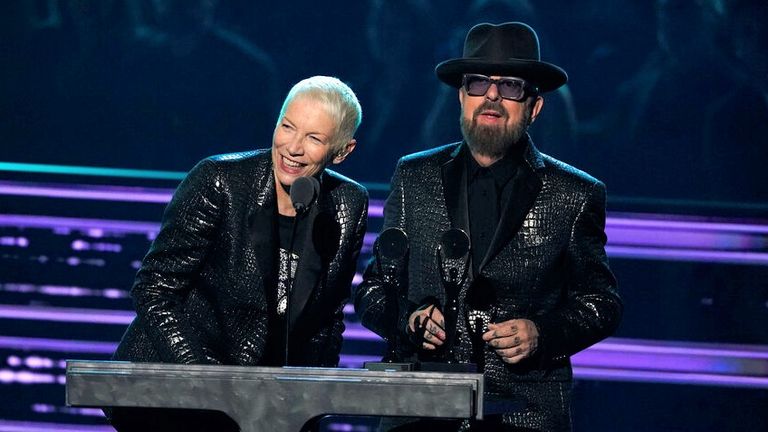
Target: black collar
[{"x": 502, "y": 170}]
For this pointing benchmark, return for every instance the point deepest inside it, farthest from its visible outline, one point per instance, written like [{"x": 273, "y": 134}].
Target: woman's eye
[{"x": 316, "y": 139}]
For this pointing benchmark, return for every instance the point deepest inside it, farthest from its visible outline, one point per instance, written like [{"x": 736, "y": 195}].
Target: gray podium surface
[{"x": 275, "y": 399}]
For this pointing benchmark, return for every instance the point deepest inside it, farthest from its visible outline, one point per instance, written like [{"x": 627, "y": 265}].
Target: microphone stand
[
  {"x": 303, "y": 193},
  {"x": 289, "y": 284}
]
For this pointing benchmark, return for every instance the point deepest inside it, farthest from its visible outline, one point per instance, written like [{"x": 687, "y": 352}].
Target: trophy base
[
  {"x": 388, "y": 366},
  {"x": 446, "y": 367}
]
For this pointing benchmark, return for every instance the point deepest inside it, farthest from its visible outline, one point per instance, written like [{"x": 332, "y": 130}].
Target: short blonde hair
[{"x": 338, "y": 98}]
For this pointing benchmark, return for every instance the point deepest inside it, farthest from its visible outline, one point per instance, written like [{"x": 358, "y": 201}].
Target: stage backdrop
[{"x": 105, "y": 104}]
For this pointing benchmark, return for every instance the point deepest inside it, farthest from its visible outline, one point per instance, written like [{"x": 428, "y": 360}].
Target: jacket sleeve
[
  {"x": 188, "y": 227},
  {"x": 326, "y": 340},
  {"x": 372, "y": 303},
  {"x": 592, "y": 309}
]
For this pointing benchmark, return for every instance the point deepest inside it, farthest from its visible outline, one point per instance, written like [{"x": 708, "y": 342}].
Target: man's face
[
  {"x": 302, "y": 141},
  {"x": 491, "y": 124}
]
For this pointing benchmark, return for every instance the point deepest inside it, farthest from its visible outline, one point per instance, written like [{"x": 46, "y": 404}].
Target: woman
[{"x": 213, "y": 287}]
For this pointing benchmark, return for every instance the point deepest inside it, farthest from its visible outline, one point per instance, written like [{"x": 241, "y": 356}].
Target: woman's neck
[{"x": 284, "y": 204}]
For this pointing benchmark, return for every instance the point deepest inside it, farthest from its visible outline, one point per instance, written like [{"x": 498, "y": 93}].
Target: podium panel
[{"x": 271, "y": 398}]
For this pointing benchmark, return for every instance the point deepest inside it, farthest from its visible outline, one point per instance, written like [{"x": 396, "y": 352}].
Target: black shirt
[
  {"x": 274, "y": 354},
  {"x": 488, "y": 191}
]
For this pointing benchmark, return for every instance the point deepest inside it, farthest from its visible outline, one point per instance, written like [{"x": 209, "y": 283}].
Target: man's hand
[
  {"x": 513, "y": 340},
  {"x": 429, "y": 324}
]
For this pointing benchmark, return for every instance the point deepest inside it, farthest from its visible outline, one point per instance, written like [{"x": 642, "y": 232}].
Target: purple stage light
[
  {"x": 21, "y": 242},
  {"x": 65, "y": 224},
  {"x": 355, "y": 331},
  {"x": 37, "y": 362},
  {"x": 79, "y": 245},
  {"x": 87, "y": 192},
  {"x": 22, "y": 426},
  {"x": 64, "y": 291},
  {"x": 56, "y": 345},
  {"x": 43, "y": 408},
  {"x": 669, "y": 377},
  {"x": 45, "y": 313},
  {"x": 612, "y": 359},
  {"x": 701, "y": 244},
  {"x": 684, "y": 223},
  {"x": 672, "y": 254},
  {"x": 25, "y": 377},
  {"x": 630, "y": 235}
]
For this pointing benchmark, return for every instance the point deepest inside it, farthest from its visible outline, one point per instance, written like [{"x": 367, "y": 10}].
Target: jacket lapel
[
  {"x": 262, "y": 220},
  {"x": 455, "y": 189},
  {"x": 309, "y": 237},
  {"x": 455, "y": 193},
  {"x": 525, "y": 188}
]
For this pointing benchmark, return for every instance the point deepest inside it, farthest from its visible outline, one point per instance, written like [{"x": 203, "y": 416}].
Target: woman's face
[{"x": 301, "y": 143}]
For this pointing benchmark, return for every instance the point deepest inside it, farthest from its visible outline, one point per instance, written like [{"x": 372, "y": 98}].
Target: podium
[{"x": 274, "y": 398}]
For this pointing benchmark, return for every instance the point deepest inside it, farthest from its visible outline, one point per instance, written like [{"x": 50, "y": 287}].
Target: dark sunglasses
[{"x": 509, "y": 88}]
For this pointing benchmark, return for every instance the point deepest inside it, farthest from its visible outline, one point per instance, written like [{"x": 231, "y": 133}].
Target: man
[{"x": 538, "y": 288}]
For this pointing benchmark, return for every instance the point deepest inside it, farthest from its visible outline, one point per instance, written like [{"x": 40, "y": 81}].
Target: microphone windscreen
[
  {"x": 393, "y": 243},
  {"x": 304, "y": 190},
  {"x": 454, "y": 243}
]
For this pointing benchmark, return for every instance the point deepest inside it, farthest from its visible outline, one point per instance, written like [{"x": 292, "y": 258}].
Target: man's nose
[{"x": 493, "y": 92}]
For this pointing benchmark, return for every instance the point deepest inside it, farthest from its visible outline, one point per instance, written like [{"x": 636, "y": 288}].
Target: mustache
[{"x": 489, "y": 105}]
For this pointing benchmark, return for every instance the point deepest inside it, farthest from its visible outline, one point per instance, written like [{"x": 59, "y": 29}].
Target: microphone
[
  {"x": 391, "y": 249},
  {"x": 304, "y": 191},
  {"x": 480, "y": 302},
  {"x": 453, "y": 261}
]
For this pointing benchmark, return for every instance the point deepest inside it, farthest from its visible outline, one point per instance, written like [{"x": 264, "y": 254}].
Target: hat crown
[
  {"x": 498, "y": 43},
  {"x": 507, "y": 49}
]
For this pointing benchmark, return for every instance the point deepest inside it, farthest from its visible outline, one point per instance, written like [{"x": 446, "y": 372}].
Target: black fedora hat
[{"x": 507, "y": 49}]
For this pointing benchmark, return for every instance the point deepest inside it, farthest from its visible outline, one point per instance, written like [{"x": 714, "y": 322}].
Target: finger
[
  {"x": 428, "y": 346},
  {"x": 507, "y": 328},
  {"x": 433, "y": 336},
  {"x": 499, "y": 332},
  {"x": 507, "y": 342},
  {"x": 438, "y": 317},
  {"x": 514, "y": 359},
  {"x": 513, "y": 355},
  {"x": 433, "y": 339},
  {"x": 436, "y": 330},
  {"x": 511, "y": 352},
  {"x": 437, "y": 324}
]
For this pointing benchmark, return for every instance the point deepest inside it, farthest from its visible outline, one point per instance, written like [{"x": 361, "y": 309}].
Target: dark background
[
  {"x": 667, "y": 103},
  {"x": 666, "y": 99}
]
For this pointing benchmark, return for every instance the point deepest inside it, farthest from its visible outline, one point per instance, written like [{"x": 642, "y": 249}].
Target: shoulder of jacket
[
  {"x": 240, "y": 157},
  {"x": 434, "y": 155},
  {"x": 341, "y": 181},
  {"x": 568, "y": 173}
]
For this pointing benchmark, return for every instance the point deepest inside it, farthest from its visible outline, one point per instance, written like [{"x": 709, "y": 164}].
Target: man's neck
[{"x": 485, "y": 160}]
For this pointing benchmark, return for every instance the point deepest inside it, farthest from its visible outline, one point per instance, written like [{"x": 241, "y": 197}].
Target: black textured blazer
[
  {"x": 546, "y": 263},
  {"x": 201, "y": 292}
]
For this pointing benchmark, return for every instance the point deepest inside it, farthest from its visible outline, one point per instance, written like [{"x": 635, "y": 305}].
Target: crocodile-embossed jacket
[
  {"x": 546, "y": 263},
  {"x": 201, "y": 292}
]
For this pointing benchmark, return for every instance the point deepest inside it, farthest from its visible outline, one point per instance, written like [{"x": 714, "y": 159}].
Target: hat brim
[{"x": 545, "y": 76}]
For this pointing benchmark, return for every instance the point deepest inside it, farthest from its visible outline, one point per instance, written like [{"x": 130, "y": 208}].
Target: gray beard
[{"x": 493, "y": 141}]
